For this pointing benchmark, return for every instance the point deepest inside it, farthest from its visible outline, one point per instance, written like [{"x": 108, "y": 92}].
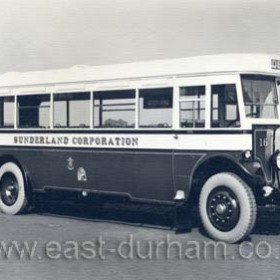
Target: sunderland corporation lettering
[{"x": 87, "y": 141}]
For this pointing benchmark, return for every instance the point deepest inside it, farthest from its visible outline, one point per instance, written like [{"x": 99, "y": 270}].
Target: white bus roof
[{"x": 194, "y": 66}]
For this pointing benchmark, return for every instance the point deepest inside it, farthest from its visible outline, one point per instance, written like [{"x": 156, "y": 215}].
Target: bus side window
[
  {"x": 192, "y": 106},
  {"x": 155, "y": 108},
  {"x": 72, "y": 110},
  {"x": 224, "y": 106},
  {"x": 114, "y": 109},
  {"x": 7, "y": 112},
  {"x": 34, "y": 111}
]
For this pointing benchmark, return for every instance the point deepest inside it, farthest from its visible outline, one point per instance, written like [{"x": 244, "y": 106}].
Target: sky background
[{"x": 46, "y": 34}]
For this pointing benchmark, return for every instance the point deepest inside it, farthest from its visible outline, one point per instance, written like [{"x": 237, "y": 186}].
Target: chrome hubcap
[
  {"x": 223, "y": 208},
  {"x": 9, "y": 189},
  {"x": 220, "y": 208}
]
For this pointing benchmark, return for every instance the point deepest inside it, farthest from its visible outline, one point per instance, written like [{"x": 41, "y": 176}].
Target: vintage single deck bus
[{"x": 200, "y": 130}]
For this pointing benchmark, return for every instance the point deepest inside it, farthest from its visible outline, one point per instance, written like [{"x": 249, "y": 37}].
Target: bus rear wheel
[
  {"x": 227, "y": 208},
  {"x": 13, "y": 198}
]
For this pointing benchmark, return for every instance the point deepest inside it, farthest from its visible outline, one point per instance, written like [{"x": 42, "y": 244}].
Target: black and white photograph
[{"x": 139, "y": 139}]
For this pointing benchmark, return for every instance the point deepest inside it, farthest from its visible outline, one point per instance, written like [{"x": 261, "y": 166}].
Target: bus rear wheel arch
[
  {"x": 13, "y": 197},
  {"x": 227, "y": 207}
]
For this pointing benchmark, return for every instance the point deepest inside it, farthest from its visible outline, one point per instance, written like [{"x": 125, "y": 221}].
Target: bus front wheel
[
  {"x": 227, "y": 207},
  {"x": 13, "y": 198}
]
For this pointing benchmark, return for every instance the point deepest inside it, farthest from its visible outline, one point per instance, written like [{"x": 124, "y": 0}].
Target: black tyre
[
  {"x": 13, "y": 199},
  {"x": 227, "y": 207}
]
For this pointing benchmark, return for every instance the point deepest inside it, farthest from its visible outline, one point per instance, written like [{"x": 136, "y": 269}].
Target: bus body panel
[{"x": 135, "y": 172}]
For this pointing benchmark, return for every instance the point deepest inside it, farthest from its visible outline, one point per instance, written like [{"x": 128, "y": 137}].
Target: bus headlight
[{"x": 276, "y": 160}]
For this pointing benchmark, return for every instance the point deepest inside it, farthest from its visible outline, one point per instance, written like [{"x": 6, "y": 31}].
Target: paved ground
[{"x": 117, "y": 260}]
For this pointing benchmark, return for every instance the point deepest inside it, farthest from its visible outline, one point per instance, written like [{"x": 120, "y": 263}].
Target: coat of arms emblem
[{"x": 70, "y": 163}]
